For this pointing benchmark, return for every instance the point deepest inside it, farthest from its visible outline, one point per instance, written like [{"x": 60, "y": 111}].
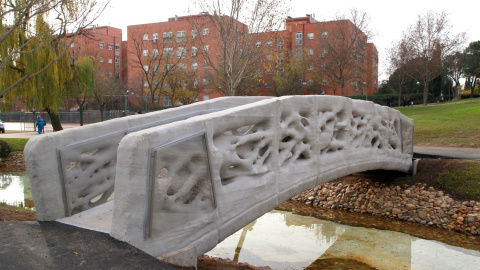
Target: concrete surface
[
  {"x": 52, "y": 245},
  {"x": 462, "y": 153}
]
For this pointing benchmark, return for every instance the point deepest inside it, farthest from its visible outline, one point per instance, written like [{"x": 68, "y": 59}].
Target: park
[{"x": 279, "y": 144}]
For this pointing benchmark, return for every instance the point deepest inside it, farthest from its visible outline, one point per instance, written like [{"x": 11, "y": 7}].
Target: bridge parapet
[
  {"x": 195, "y": 182},
  {"x": 74, "y": 170}
]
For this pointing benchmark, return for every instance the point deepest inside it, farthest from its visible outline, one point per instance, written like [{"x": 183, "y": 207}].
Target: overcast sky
[{"x": 388, "y": 18}]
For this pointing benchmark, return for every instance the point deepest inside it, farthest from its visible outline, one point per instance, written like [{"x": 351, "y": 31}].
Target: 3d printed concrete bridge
[{"x": 188, "y": 177}]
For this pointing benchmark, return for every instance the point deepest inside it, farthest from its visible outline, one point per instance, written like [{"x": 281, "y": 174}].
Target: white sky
[{"x": 388, "y": 18}]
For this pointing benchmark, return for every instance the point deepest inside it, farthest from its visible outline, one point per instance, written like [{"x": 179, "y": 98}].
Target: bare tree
[
  {"x": 156, "y": 60},
  {"x": 455, "y": 66},
  {"x": 233, "y": 30},
  {"x": 18, "y": 32},
  {"x": 343, "y": 43},
  {"x": 427, "y": 42}
]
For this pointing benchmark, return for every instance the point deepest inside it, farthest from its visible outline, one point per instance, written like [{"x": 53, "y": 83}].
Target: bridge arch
[{"x": 196, "y": 181}]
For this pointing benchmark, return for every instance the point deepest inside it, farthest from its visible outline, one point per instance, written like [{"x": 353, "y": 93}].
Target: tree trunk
[
  {"x": 56, "y": 124},
  {"x": 102, "y": 110},
  {"x": 425, "y": 93},
  {"x": 399, "y": 96},
  {"x": 81, "y": 115}
]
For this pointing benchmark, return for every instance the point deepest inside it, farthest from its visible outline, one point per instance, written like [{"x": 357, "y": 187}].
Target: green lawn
[
  {"x": 446, "y": 124},
  {"x": 16, "y": 144}
]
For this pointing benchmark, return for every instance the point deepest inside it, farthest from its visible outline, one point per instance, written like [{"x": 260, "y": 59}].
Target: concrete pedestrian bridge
[{"x": 181, "y": 180}]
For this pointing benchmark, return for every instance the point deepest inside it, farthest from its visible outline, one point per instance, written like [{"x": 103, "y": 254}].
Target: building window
[
  {"x": 72, "y": 45},
  {"x": 310, "y": 82},
  {"x": 269, "y": 43},
  {"x": 205, "y": 65},
  {"x": 154, "y": 37},
  {"x": 324, "y": 82},
  {"x": 110, "y": 60},
  {"x": 155, "y": 53},
  {"x": 167, "y": 37},
  {"x": 195, "y": 83},
  {"x": 206, "y": 96},
  {"x": 101, "y": 59},
  {"x": 205, "y": 82},
  {"x": 298, "y": 38},
  {"x": 181, "y": 36},
  {"x": 205, "y": 31},
  {"x": 258, "y": 44},
  {"x": 309, "y": 35},
  {"x": 310, "y": 51},
  {"x": 117, "y": 66},
  {"x": 167, "y": 52},
  {"x": 145, "y": 68},
  {"x": 268, "y": 85},
  {"x": 280, "y": 45},
  {"x": 194, "y": 66},
  {"x": 110, "y": 47},
  {"x": 194, "y": 51},
  {"x": 110, "y": 74},
  {"x": 205, "y": 48},
  {"x": 101, "y": 45},
  {"x": 145, "y": 36},
  {"x": 117, "y": 60},
  {"x": 168, "y": 67},
  {"x": 325, "y": 34},
  {"x": 181, "y": 52},
  {"x": 194, "y": 33},
  {"x": 310, "y": 67},
  {"x": 155, "y": 68},
  {"x": 102, "y": 73},
  {"x": 145, "y": 52},
  {"x": 299, "y": 53},
  {"x": 324, "y": 52},
  {"x": 182, "y": 67},
  {"x": 167, "y": 102}
]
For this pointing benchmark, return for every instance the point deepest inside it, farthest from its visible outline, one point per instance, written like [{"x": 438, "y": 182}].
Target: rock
[
  {"x": 411, "y": 206},
  {"x": 311, "y": 198},
  {"x": 422, "y": 214},
  {"x": 431, "y": 189},
  {"x": 396, "y": 211}
]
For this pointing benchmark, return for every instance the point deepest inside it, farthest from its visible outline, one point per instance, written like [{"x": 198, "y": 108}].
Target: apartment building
[
  {"x": 324, "y": 48},
  {"x": 178, "y": 47},
  {"x": 104, "y": 44}
]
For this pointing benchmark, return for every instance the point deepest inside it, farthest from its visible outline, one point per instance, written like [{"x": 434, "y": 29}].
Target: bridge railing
[
  {"x": 195, "y": 182},
  {"x": 74, "y": 170}
]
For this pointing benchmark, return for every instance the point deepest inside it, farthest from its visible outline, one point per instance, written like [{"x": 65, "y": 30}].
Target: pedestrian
[
  {"x": 387, "y": 100},
  {"x": 40, "y": 124}
]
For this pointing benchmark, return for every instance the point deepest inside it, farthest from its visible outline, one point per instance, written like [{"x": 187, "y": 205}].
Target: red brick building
[
  {"x": 105, "y": 45},
  {"x": 313, "y": 43},
  {"x": 178, "y": 47}
]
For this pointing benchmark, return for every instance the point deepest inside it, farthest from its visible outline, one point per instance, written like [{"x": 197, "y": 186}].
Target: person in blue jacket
[{"x": 40, "y": 124}]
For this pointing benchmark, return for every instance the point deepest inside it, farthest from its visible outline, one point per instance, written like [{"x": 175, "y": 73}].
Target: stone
[
  {"x": 411, "y": 207},
  {"x": 396, "y": 211},
  {"x": 422, "y": 214}
]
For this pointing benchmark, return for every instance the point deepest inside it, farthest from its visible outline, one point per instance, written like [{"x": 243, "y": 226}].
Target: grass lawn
[
  {"x": 16, "y": 143},
  {"x": 446, "y": 124}
]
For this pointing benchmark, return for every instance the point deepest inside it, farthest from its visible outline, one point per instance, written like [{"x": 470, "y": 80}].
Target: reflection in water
[
  {"x": 15, "y": 190},
  {"x": 285, "y": 240}
]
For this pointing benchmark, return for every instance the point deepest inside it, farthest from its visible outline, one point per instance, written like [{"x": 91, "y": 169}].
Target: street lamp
[
  {"x": 418, "y": 83},
  {"x": 126, "y": 100}
]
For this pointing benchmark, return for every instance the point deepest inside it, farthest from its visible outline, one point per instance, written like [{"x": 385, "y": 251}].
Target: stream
[{"x": 285, "y": 240}]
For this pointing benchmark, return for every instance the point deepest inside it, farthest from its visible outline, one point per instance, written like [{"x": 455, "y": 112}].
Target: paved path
[
  {"x": 52, "y": 245},
  {"x": 462, "y": 153}
]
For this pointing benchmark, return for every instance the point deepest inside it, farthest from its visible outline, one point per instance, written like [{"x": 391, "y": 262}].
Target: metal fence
[{"x": 89, "y": 116}]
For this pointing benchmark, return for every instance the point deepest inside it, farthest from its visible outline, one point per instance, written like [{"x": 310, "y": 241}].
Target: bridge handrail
[
  {"x": 74, "y": 170},
  {"x": 195, "y": 182}
]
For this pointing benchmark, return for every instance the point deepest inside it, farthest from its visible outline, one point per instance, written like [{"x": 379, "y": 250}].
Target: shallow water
[
  {"x": 15, "y": 189},
  {"x": 283, "y": 240}
]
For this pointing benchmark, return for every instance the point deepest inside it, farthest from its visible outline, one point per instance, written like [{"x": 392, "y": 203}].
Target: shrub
[{"x": 5, "y": 149}]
